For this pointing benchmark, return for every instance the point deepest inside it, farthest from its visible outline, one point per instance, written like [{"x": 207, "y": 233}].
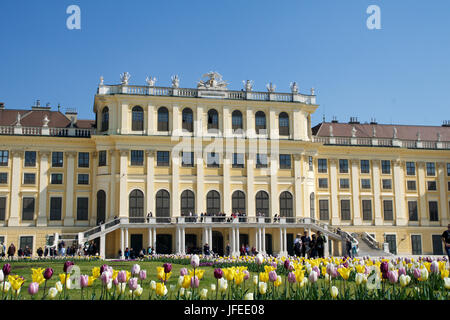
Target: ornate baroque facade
[{"x": 174, "y": 151}]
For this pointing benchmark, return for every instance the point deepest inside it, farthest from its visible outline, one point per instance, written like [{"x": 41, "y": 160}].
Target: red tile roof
[{"x": 404, "y": 132}]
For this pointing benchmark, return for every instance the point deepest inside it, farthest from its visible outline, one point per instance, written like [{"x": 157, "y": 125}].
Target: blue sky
[{"x": 399, "y": 74}]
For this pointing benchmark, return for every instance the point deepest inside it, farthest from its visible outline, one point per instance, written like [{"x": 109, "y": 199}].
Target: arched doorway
[
  {"x": 101, "y": 206},
  {"x": 217, "y": 243}
]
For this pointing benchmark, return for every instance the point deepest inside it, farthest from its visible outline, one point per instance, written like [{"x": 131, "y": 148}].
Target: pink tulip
[
  {"x": 122, "y": 276},
  {"x": 33, "y": 288},
  {"x": 105, "y": 277},
  {"x": 416, "y": 273},
  {"x": 143, "y": 274},
  {"x": 434, "y": 267},
  {"x": 133, "y": 283},
  {"x": 313, "y": 277},
  {"x": 401, "y": 271},
  {"x": 183, "y": 272},
  {"x": 195, "y": 282},
  {"x": 291, "y": 277},
  {"x": 116, "y": 281},
  {"x": 247, "y": 275},
  {"x": 84, "y": 280},
  {"x": 393, "y": 276},
  {"x": 273, "y": 276}
]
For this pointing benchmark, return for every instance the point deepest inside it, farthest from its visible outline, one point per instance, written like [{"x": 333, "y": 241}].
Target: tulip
[
  {"x": 246, "y": 275},
  {"x": 52, "y": 293},
  {"x": 167, "y": 267},
  {"x": 195, "y": 282},
  {"x": 59, "y": 286},
  {"x": 248, "y": 296},
  {"x": 2, "y": 276},
  {"x": 6, "y": 269},
  {"x": 272, "y": 276},
  {"x": 286, "y": 264},
  {"x": 213, "y": 287},
  {"x": 403, "y": 280},
  {"x": 33, "y": 288},
  {"x": 416, "y": 273},
  {"x": 434, "y": 267},
  {"x": 104, "y": 268},
  {"x": 255, "y": 280},
  {"x": 122, "y": 276},
  {"x": 138, "y": 291},
  {"x": 135, "y": 269},
  {"x": 161, "y": 289},
  {"x": 188, "y": 294},
  {"x": 204, "y": 294},
  {"x": 401, "y": 271},
  {"x": 313, "y": 277},
  {"x": 262, "y": 288},
  {"x": 142, "y": 274},
  {"x": 218, "y": 273},
  {"x": 84, "y": 281},
  {"x": 223, "y": 285},
  {"x": 393, "y": 276},
  {"x": 133, "y": 283},
  {"x": 259, "y": 259},
  {"x": 359, "y": 278},
  {"x": 48, "y": 273},
  {"x": 106, "y": 277},
  {"x": 183, "y": 271},
  {"x": 68, "y": 266},
  {"x": 423, "y": 274},
  {"x": 115, "y": 281},
  {"x": 334, "y": 292},
  {"x": 447, "y": 283},
  {"x": 182, "y": 292},
  {"x": 195, "y": 261}
]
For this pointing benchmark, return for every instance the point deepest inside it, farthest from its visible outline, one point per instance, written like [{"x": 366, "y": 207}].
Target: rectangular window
[
  {"x": 323, "y": 210},
  {"x": 448, "y": 184},
  {"x": 83, "y": 178},
  {"x": 83, "y": 159},
  {"x": 365, "y": 166},
  {"x": 29, "y": 178},
  {"x": 416, "y": 244},
  {"x": 410, "y": 168},
  {"x": 55, "y": 208},
  {"x": 27, "y": 209},
  {"x": 431, "y": 169},
  {"x": 322, "y": 165},
  {"x": 365, "y": 183},
  {"x": 30, "y": 158},
  {"x": 433, "y": 209},
  {"x": 387, "y": 209},
  {"x": 187, "y": 159},
  {"x": 238, "y": 160},
  {"x": 310, "y": 163},
  {"x": 367, "y": 210},
  {"x": 82, "y": 208},
  {"x": 344, "y": 183},
  {"x": 387, "y": 184},
  {"x": 213, "y": 160},
  {"x": 2, "y": 208},
  {"x": 261, "y": 160},
  {"x": 323, "y": 183},
  {"x": 431, "y": 185},
  {"x": 411, "y": 185},
  {"x": 386, "y": 166},
  {"x": 343, "y": 166},
  {"x": 162, "y": 159},
  {"x": 56, "y": 178},
  {"x": 345, "y": 210},
  {"x": 3, "y": 177},
  {"x": 448, "y": 169},
  {"x": 4, "y": 154},
  {"x": 57, "y": 159},
  {"x": 412, "y": 209},
  {"x": 102, "y": 158},
  {"x": 137, "y": 157},
  {"x": 26, "y": 242},
  {"x": 285, "y": 161}
]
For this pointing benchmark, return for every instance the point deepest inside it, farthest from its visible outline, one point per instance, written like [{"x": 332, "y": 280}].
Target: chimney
[
  {"x": 2, "y": 105},
  {"x": 354, "y": 120},
  {"x": 71, "y": 114},
  {"x": 445, "y": 123},
  {"x": 39, "y": 107},
  {"x": 373, "y": 121},
  {"x": 334, "y": 120}
]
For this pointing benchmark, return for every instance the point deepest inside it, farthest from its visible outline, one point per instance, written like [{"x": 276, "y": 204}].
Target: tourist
[
  {"x": 247, "y": 250},
  {"x": 11, "y": 251},
  {"x": 2, "y": 250},
  {"x": 306, "y": 240},
  {"x": 227, "y": 249},
  {"x": 127, "y": 254},
  {"x": 149, "y": 251},
  {"x": 242, "y": 251},
  {"x": 446, "y": 240},
  {"x": 148, "y": 217},
  {"x": 298, "y": 245},
  {"x": 206, "y": 249},
  {"x": 320, "y": 244},
  {"x": 348, "y": 247},
  {"x": 40, "y": 252},
  {"x": 313, "y": 245}
]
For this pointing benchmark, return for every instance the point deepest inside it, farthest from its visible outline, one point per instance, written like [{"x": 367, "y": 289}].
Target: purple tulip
[
  {"x": 247, "y": 275},
  {"x": 286, "y": 264},
  {"x": 313, "y": 276},
  {"x": 135, "y": 269},
  {"x": 183, "y": 272},
  {"x": 33, "y": 288},
  {"x": 334, "y": 273},
  {"x": 401, "y": 271},
  {"x": 116, "y": 281},
  {"x": 143, "y": 274},
  {"x": 122, "y": 276},
  {"x": 133, "y": 283},
  {"x": 416, "y": 273},
  {"x": 291, "y": 277},
  {"x": 273, "y": 276},
  {"x": 384, "y": 268},
  {"x": 330, "y": 268},
  {"x": 434, "y": 267},
  {"x": 106, "y": 276},
  {"x": 274, "y": 264},
  {"x": 195, "y": 282},
  {"x": 167, "y": 267},
  {"x": 316, "y": 269},
  {"x": 393, "y": 276},
  {"x": 48, "y": 273},
  {"x": 218, "y": 273},
  {"x": 346, "y": 264},
  {"x": 6, "y": 269},
  {"x": 84, "y": 281},
  {"x": 104, "y": 268},
  {"x": 68, "y": 266}
]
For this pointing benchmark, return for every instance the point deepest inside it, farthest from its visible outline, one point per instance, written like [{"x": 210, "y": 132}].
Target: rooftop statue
[
  {"x": 18, "y": 118},
  {"x": 353, "y": 132},
  {"x": 271, "y": 87},
  {"x": 175, "y": 81},
  {"x": 248, "y": 85},
  {"x": 214, "y": 82},
  {"x": 294, "y": 87},
  {"x": 395, "y": 132},
  {"x": 101, "y": 80},
  {"x": 150, "y": 81},
  {"x": 125, "y": 77}
]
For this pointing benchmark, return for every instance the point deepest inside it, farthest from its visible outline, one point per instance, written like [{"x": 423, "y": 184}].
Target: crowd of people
[
  {"x": 130, "y": 253},
  {"x": 310, "y": 247}
]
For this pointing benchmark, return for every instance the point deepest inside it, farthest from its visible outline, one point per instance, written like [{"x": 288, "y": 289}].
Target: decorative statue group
[{"x": 213, "y": 81}]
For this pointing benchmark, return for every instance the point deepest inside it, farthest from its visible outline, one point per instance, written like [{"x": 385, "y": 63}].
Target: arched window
[
  {"x": 236, "y": 120},
  {"x": 136, "y": 206},
  {"x": 162, "y": 204},
  {"x": 101, "y": 206},
  {"x": 137, "y": 119},
  {"x": 213, "y": 120},
  {"x": 312, "y": 210},
  {"x": 260, "y": 122},
  {"x": 286, "y": 204},
  {"x": 238, "y": 202},
  {"x": 163, "y": 119},
  {"x": 283, "y": 123},
  {"x": 213, "y": 202},
  {"x": 262, "y": 203},
  {"x": 187, "y": 120},
  {"x": 105, "y": 119},
  {"x": 187, "y": 203}
]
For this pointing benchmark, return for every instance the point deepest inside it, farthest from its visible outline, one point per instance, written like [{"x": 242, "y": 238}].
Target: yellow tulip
[
  {"x": 267, "y": 269},
  {"x": 360, "y": 268},
  {"x": 186, "y": 282},
  {"x": 263, "y": 276},
  {"x": 239, "y": 277},
  {"x": 299, "y": 275},
  {"x": 445, "y": 273},
  {"x": 16, "y": 282},
  {"x": 115, "y": 273},
  {"x": 95, "y": 272},
  {"x": 262, "y": 288},
  {"x": 198, "y": 273},
  {"x": 38, "y": 275},
  {"x": 344, "y": 272},
  {"x": 91, "y": 280},
  {"x": 278, "y": 282},
  {"x": 63, "y": 279},
  {"x": 161, "y": 289}
]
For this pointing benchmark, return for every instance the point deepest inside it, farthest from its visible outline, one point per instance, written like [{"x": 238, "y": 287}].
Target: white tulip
[
  {"x": 255, "y": 280},
  {"x": 181, "y": 291},
  {"x": 138, "y": 291},
  {"x": 52, "y": 293},
  {"x": 359, "y": 278},
  {"x": 204, "y": 294},
  {"x": 153, "y": 285},
  {"x": 2, "y": 276},
  {"x": 223, "y": 285},
  {"x": 7, "y": 286},
  {"x": 180, "y": 280},
  {"x": 213, "y": 287},
  {"x": 59, "y": 286},
  {"x": 262, "y": 288},
  {"x": 248, "y": 296},
  {"x": 334, "y": 291},
  {"x": 447, "y": 283}
]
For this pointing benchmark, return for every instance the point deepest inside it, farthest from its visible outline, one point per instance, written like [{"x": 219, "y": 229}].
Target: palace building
[{"x": 178, "y": 152}]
